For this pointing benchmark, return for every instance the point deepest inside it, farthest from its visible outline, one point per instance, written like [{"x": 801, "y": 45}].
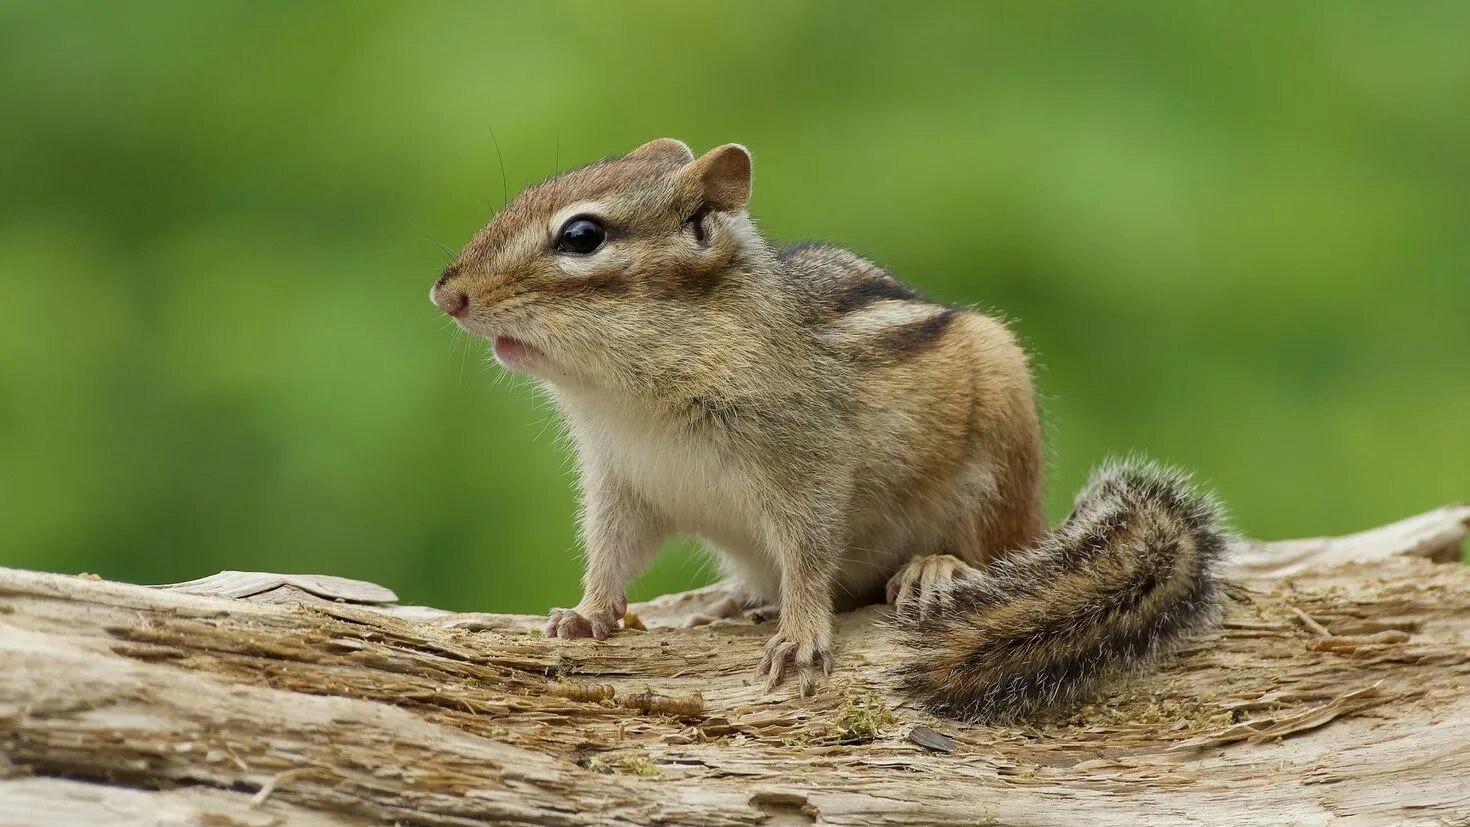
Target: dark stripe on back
[
  {"x": 860, "y": 294},
  {"x": 919, "y": 336}
]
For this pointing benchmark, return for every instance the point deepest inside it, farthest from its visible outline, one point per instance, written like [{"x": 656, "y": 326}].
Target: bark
[{"x": 1335, "y": 692}]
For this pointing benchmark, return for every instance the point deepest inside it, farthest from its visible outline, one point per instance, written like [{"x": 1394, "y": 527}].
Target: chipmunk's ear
[
  {"x": 721, "y": 176},
  {"x": 668, "y": 148}
]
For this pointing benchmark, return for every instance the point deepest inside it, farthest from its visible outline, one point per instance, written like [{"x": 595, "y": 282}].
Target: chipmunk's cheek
[{"x": 516, "y": 354}]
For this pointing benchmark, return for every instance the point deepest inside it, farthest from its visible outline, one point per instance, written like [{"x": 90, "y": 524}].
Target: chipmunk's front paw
[
  {"x": 581, "y": 622},
  {"x": 811, "y": 660}
]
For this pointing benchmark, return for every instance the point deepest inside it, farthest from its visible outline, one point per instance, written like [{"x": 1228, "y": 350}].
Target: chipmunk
[{"x": 835, "y": 437}]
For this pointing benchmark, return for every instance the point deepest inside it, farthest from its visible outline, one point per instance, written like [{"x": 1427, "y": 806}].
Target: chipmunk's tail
[{"x": 1130, "y": 574}]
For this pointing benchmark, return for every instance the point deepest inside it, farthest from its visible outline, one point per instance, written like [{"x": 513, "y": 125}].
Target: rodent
[{"x": 833, "y": 436}]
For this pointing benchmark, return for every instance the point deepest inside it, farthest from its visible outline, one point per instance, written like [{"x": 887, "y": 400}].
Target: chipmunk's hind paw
[{"x": 925, "y": 585}]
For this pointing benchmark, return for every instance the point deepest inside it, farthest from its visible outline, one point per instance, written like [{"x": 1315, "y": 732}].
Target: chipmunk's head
[{"x": 601, "y": 275}]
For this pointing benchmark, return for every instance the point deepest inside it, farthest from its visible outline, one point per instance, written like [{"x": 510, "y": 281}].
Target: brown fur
[
  {"x": 1130, "y": 575},
  {"x": 818, "y": 424}
]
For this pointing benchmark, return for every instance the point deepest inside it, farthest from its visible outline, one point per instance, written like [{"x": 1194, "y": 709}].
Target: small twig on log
[{"x": 1312, "y": 625}]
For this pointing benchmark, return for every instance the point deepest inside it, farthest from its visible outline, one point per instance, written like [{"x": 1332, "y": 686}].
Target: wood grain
[{"x": 1337, "y": 692}]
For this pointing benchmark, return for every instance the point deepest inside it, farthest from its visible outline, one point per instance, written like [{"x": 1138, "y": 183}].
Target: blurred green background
[{"x": 1235, "y": 235}]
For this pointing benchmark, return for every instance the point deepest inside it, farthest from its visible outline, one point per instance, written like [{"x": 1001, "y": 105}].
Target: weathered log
[{"x": 1336, "y": 692}]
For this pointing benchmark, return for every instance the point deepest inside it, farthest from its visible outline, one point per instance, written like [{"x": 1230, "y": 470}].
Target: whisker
[
  {"x": 463, "y": 356},
  {"x": 546, "y": 422},
  {"x": 448, "y": 253},
  {"x": 501, "y": 159}
]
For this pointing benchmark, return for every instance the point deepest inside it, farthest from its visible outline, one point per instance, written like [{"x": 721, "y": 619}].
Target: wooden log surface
[{"x": 1336, "y": 692}]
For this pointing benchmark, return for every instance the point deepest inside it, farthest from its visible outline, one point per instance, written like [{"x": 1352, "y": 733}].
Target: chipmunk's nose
[{"x": 452, "y": 301}]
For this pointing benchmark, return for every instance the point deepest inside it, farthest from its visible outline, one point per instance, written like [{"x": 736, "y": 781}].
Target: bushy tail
[{"x": 1130, "y": 574}]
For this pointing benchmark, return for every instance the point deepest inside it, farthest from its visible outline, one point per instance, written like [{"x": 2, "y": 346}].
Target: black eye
[{"x": 581, "y": 235}]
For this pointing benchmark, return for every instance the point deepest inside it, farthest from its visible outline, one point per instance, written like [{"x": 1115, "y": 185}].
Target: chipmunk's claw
[
  {"x": 925, "y": 585},
  {"x": 810, "y": 660}
]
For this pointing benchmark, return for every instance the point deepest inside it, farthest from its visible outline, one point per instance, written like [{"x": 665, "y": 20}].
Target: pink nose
[{"x": 453, "y": 302}]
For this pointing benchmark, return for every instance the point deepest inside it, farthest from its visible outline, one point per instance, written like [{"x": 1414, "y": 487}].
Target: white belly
[{"x": 699, "y": 489}]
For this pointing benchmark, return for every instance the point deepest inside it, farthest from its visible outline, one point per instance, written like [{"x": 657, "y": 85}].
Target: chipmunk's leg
[
  {"x": 808, "y": 555},
  {"x": 925, "y": 584},
  {"x": 621, "y": 533}
]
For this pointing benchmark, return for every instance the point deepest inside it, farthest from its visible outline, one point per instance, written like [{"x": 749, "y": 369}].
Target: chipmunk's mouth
[{"x": 516, "y": 354}]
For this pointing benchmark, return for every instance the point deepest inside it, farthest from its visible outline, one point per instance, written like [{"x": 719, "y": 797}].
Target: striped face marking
[
  {"x": 559, "y": 219},
  {"x": 608, "y": 261}
]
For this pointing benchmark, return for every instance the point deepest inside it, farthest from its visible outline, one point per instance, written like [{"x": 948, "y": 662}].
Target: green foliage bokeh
[{"x": 1235, "y": 235}]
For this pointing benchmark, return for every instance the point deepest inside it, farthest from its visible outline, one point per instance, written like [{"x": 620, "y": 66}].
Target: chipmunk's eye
[{"x": 581, "y": 235}]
